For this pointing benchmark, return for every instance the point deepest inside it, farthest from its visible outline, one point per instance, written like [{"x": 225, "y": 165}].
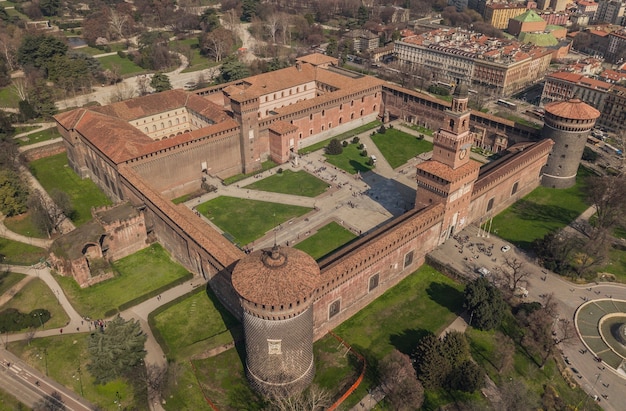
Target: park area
[
  {"x": 326, "y": 240},
  {"x": 54, "y": 173},
  {"x": 244, "y": 221},
  {"x": 398, "y": 147},
  {"x": 298, "y": 183},
  {"x": 139, "y": 276}
]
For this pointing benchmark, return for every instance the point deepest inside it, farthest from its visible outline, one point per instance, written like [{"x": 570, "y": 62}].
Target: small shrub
[
  {"x": 345, "y": 143},
  {"x": 370, "y": 162},
  {"x": 360, "y": 146},
  {"x": 364, "y": 153},
  {"x": 355, "y": 140},
  {"x": 420, "y": 137},
  {"x": 280, "y": 171},
  {"x": 121, "y": 54},
  {"x": 382, "y": 129}
]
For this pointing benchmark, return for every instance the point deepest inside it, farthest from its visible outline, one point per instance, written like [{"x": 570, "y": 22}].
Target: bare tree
[
  {"x": 19, "y": 87},
  {"x": 504, "y": 349},
  {"x": 122, "y": 92},
  {"x": 217, "y": 43},
  {"x": 118, "y": 23},
  {"x": 143, "y": 85},
  {"x": 565, "y": 331},
  {"x": 608, "y": 196},
  {"x": 272, "y": 24},
  {"x": 399, "y": 382},
  {"x": 514, "y": 272},
  {"x": 313, "y": 399},
  {"x": 516, "y": 397},
  {"x": 156, "y": 377},
  {"x": 30, "y": 335}
]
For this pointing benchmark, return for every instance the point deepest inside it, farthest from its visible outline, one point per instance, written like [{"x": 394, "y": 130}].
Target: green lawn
[
  {"x": 36, "y": 294},
  {"x": 18, "y": 253},
  {"x": 350, "y": 160},
  {"x": 198, "y": 61},
  {"x": 206, "y": 325},
  {"x": 43, "y": 135},
  {"x": 248, "y": 220},
  {"x": 54, "y": 173},
  {"x": 8, "y": 98},
  {"x": 8, "y": 280},
  {"x": 10, "y": 403},
  {"x": 137, "y": 275},
  {"x": 298, "y": 183},
  {"x": 266, "y": 165},
  {"x": 327, "y": 239},
  {"x": 517, "y": 119},
  {"x": 399, "y": 147},
  {"x": 64, "y": 354},
  {"x": 23, "y": 224},
  {"x": 426, "y": 301},
  {"x": 617, "y": 265},
  {"x": 24, "y": 129},
  {"x": 342, "y": 136},
  {"x": 542, "y": 211},
  {"x": 126, "y": 66}
]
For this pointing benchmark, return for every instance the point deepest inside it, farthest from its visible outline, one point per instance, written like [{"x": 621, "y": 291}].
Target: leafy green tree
[
  {"x": 4, "y": 16},
  {"x": 52, "y": 402},
  {"x": 431, "y": 365},
  {"x": 332, "y": 49},
  {"x": 38, "y": 50},
  {"x": 5, "y": 76},
  {"x": 49, "y": 7},
  {"x": 249, "y": 9},
  {"x": 455, "y": 348},
  {"x": 485, "y": 304},
  {"x": 334, "y": 147},
  {"x": 160, "y": 82},
  {"x": 467, "y": 377},
  {"x": 116, "y": 351},
  {"x": 232, "y": 70},
  {"x": 362, "y": 15},
  {"x": 13, "y": 193},
  {"x": 6, "y": 128},
  {"x": 209, "y": 20}
]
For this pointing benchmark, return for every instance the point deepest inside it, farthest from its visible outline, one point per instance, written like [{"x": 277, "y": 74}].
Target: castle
[{"x": 151, "y": 149}]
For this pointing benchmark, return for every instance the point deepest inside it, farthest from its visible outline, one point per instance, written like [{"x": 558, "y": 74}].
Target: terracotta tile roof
[
  {"x": 69, "y": 119},
  {"x": 180, "y": 216},
  {"x": 282, "y": 127},
  {"x": 144, "y": 106},
  {"x": 317, "y": 59},
  {"x": 574, "y": 109},
  {"x": 445, "y": 172},
  {"x": 276, "y": 277}
]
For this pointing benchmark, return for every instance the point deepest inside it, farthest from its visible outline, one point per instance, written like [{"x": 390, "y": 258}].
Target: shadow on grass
[
  {"x": 528, "y": 210},
  {"x": 371, "y": 361},
  {"x": 359, "y": 166},
  {"x": 446, "y": 296},
  {"x": 407, "y": 340}
]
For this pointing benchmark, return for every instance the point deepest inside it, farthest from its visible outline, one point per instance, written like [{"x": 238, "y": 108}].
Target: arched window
[{"x": 323, "y": 113}]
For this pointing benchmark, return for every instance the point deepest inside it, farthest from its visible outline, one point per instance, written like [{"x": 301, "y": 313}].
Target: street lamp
[{"x": 38, "y": 315}]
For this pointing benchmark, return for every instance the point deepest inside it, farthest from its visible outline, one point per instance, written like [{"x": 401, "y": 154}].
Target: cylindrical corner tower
[
  {"x": 568, "y": 124},
  {"x": 275, "y": 287}
]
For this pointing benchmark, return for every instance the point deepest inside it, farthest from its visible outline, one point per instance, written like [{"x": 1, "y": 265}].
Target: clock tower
[{"x": 448, "y": 177}]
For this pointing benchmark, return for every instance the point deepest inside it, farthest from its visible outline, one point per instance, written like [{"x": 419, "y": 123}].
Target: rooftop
[{"x": 574, "y": 109}]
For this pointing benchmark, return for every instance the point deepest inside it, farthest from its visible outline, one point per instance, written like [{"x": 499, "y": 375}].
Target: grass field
[
  {"x": 24, "y": 129},
  {"x": 9, "y": 402},
  {"x": 8, "y": 280},
  {"x": 18, "y": 253},
  {"x": 54, "y": 173},
  {"x": 398, "y": 147},
  {"x": 198, "y": 61},
  {"x": 424, "y": 302},
  {"x": 23, "y": 224},
  {"x": 248, "y": 220},
  {"x": 542, "y": 211},
  {"x": 36, "y": 294},
  {"x": 298, "y": 183},
  {"x": 43, "y": 135},
  {"x": 126, "y": 66},
  {"x": 517, "y": 119},
  {"x": 350, "y": 160},
  {"x": 206, "y": 325},
  {"x": 8, "y": 98},
  {"x": 327, "y": 239},
  {"x": 61, "y": 356},
  {"x": 348, "y": 134},
  {"x": 266, "y": 165},
  {"x": 137, "y": 275}
]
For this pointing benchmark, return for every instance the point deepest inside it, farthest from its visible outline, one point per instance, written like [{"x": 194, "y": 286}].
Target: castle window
[
  {"x": 340, "y": 106},
  {"x": 408, "y": 259},
  {"x": 310, "y": 131},
  {"x": 361, "y": 113},
  {"x": 330, "y": 125},
  {"x": 352, "y": 116},
  {"x": 363, "y": 99},
  {"x": 177, "y": 121},
  {"x": 323, "y": 113},
  {"x": 274, "y": 347},
  {"x": 153, "y": 128},
  {"x": 490, "y": 204},
  {"x": 340, "y": 120},
  {"x": 514, "y": 190},
  {"x": 352, "y": 103},
  {"x": 334, "y": 308},
  {"x": 373, "y": 282},
  {"x": 310, "y": 116},
  {"x": 374, "y": 109},
  {"x": 305, "y": 87},
  {"x": 146, "y": 129}
]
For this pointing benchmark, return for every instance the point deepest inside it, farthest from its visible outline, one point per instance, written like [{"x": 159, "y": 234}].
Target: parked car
[
  {"x": 483, "y": 272},
  {"x": 505, "y": 248}
]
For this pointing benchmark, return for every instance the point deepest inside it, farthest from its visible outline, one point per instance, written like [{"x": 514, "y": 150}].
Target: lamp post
[
  {"x": 38, "y": 315},
  {"x": 80, "y": 379}
]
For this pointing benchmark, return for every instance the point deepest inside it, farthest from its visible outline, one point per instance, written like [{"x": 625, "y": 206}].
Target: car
[
  {"x": 483, "y": 272},
  {"x": 505, "y": 248},
  {"x": 190, "y": 85}
]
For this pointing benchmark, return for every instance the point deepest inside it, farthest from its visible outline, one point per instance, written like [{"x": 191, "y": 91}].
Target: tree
[
  {"x": 334, "y": 147},
  {"x": 484, "y": 303},
  {"x": 514, "y": 271},
  {"x": 608, "y": 195},
  {"x": 362, "y": 15},
  {"x": 504, "y": 349},
  {"x": 467, "y": 377},
  {"x": 313, "y": 399},
  {"x": 233, "y": 69},
  {"x": 217, "y": 43},
  {"x": 209, "y": 20},
  {"x": 52, "y": 402},
  {"x": 49, "y": 7},
  {"x": 42, "y": 220},
  {"x": 455, "y": 348},
  {"x": 160, "y": 82},
  {"x": 537, "y": 324},
  {"x": 115, "y": 351},
  {"x": 431, "y": 365},
  {"x": 517, "y": 397},
  {"x": 13, "y": 193},
  {"x": 37, "y": 50},
  {"x": 399, "y": 382}
]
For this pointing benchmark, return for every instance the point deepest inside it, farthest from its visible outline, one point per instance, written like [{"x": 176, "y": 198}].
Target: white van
[{"x": 373, "y": 159}]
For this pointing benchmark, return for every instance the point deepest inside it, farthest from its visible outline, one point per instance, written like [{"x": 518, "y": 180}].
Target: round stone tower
[
  {"x": 568, "y": 124},
  {"x": 275, "y": 287}
]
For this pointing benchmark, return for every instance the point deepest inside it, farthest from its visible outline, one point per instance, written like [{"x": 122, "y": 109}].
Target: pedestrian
[{"x": 61, "y": 330}]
